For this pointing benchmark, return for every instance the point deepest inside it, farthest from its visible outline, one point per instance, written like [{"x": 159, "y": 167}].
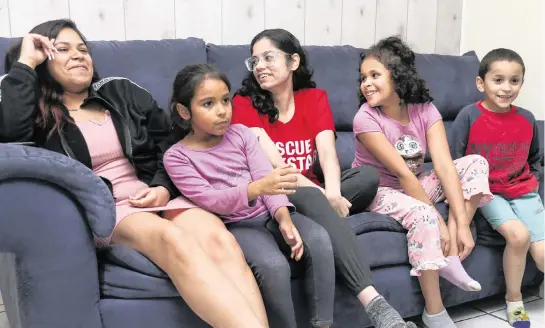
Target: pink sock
[{"x": 457, "y": 275}]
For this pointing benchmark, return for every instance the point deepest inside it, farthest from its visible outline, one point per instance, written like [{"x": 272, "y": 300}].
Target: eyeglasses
[{"x": 268, "y": 57}]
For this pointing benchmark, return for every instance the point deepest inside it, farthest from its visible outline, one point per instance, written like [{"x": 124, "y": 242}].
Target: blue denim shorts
[{"x": 527, "y": 208}]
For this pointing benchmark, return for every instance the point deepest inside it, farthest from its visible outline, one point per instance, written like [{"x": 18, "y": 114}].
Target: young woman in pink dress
[{"x": 52, "y": 96}]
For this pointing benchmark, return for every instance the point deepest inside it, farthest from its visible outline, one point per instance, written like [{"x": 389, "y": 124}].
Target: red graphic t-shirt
[
  {"x": 509, "y": 142},
  {"x": 296, "y": 139}
]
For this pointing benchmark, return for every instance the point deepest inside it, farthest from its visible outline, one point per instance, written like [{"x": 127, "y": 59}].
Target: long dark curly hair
[
  {"x": 52, "y": 92},
  {"x": 399, "y": 59},
  {"x": 302, "y": 78}
]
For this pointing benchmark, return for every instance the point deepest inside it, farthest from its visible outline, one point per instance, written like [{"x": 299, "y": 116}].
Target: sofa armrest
[
  {"x": 90, "y": 192},
  {"x": 51, "y": 205}
]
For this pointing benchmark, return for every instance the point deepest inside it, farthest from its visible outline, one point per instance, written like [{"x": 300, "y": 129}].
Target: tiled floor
[
  {"x": 480, "y": 314},
  {"x": 3, "y": 317},
  {"x": 490, "y": 312}
]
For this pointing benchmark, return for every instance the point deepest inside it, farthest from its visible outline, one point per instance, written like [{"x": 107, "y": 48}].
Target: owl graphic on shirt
[{"x": 411, "y": 151}]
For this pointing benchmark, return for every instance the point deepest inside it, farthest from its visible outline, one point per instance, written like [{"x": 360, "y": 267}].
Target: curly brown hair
[{"x": 399, "y": 59}]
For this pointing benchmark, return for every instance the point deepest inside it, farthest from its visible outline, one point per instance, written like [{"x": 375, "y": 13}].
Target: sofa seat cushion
[
  {"x": 383, "y": 240},
  {"x": 128, "y": 258},
  {"x": 125, "y": 273},
  {"x": 369, "y": 222}
]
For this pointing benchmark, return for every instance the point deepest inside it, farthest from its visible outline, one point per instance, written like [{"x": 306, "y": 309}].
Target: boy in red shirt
[{"x": 507, "y": 136}]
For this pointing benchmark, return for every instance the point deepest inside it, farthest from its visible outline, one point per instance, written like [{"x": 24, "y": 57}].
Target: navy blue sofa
[{"x": 52, "y": 276}]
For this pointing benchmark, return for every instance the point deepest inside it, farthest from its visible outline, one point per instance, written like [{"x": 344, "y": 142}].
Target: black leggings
[
  {"x": 267, "y": 255},
  {"x": 359, "y": 186}
]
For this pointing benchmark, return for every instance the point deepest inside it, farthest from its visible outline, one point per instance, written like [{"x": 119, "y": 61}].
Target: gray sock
[
  {"x": 439, "y": 320},
  {"x": 383, "y": 315}
]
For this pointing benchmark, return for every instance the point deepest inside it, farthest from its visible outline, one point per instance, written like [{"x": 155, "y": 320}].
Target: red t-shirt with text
[{"x": 296, "y": 139}]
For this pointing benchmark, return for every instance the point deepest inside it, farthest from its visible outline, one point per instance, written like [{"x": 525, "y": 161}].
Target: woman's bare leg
[
  {"x": 204, "y": 288},
  {"x": 221, "y": 246}
]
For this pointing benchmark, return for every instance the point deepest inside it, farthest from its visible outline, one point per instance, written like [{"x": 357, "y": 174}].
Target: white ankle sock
[{"x": 438, "y": 320}]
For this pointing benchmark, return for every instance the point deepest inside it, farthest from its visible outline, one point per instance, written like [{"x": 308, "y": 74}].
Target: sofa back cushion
[
  {"x": 451, "y": 80},
  {"x": 335, "y": 71},
  {"x": 151, "y": 64},
  {"x": 5, "y": 44}
]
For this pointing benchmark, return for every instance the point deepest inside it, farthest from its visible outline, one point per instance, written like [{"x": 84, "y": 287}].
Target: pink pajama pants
[{"x": 421, "y": 220}]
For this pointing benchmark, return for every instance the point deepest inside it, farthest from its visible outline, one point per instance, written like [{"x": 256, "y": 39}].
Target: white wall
[
  {"x": 426, "y": 25},
  {"x": 515, "y": 24},
  {"x": 429, "y": 26}
]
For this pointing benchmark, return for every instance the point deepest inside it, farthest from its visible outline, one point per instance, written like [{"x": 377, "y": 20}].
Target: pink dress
[{"x": 109, "y": 162}]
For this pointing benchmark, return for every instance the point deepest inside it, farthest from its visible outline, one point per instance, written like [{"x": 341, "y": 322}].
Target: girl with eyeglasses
[{"x": 292, "y": 118}]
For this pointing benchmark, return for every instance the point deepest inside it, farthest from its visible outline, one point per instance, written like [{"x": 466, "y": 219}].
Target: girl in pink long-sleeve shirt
[{"x": 221, "y": 168}]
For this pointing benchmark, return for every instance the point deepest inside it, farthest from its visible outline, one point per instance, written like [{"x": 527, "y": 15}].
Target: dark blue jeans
[{"x": 267, "y": 255}]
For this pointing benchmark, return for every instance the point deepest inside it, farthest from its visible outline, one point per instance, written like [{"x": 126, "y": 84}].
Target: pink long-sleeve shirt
[{"x": 216, "y": 179}]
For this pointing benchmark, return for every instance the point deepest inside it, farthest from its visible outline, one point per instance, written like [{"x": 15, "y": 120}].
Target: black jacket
[{"x": 141, "y": 125}]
